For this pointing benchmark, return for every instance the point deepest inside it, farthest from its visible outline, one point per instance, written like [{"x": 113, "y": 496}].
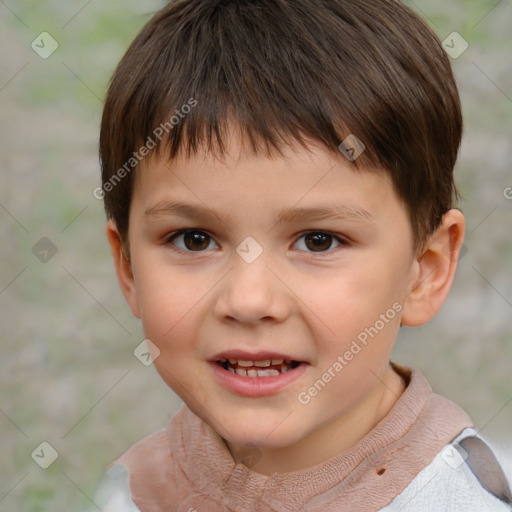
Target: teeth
[
  {"x": 262, "y": 363},
  {"x": 252, "y": 372},
  {"x": 252, "y": 368}
]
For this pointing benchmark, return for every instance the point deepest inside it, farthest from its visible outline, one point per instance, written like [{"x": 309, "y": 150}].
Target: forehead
[{"x": 300, "y": 182}]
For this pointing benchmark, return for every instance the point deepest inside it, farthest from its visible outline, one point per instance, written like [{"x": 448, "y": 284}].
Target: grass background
[{"x": 67, "y": 371}]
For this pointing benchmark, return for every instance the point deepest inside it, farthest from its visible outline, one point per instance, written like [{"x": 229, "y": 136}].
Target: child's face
[{"x": 308, "y": 297}]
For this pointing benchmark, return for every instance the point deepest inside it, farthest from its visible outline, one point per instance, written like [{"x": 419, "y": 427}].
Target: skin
[{"x": 294, "y": 298}]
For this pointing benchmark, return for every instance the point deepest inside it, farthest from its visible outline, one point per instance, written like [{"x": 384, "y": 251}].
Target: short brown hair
[{"x": 286, "y": 70}]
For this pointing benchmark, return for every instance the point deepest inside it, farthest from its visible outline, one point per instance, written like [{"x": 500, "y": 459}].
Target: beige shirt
[{"x": 187, "y": 466}]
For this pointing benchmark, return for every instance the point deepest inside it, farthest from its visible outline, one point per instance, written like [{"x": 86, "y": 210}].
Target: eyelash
[{"x": 173, "y": 236}]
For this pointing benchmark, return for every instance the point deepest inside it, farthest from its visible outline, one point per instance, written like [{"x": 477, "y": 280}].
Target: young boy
[{"x": 278, "y": 181}]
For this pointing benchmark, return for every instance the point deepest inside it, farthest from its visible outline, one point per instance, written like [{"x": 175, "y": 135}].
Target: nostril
[{"x": 380, "y": 471}]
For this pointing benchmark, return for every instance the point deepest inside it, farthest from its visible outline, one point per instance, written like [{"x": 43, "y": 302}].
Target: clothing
[{"x": 406, "y": 463}]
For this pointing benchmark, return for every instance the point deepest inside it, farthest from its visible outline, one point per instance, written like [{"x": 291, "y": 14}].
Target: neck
[{"x": 343, "y": 432}]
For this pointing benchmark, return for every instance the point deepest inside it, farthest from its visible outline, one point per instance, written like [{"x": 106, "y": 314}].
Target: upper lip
[{"x": 243, "y": 355}]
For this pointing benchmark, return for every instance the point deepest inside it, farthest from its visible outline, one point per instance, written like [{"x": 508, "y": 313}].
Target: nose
[{"x": 252, "y": 292}]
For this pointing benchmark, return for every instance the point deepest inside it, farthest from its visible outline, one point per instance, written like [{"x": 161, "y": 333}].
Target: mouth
[
  {"x": 263, "y": 375},
  {"x": 261, "y": 368},
  {"x": 256, "y": 374}
]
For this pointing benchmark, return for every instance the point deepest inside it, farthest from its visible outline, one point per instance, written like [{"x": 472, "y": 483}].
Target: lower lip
[{"x": 256, "y": 386}]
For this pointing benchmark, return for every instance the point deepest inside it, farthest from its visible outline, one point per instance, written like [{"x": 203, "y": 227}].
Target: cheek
[
  {"x": 167, "y": 301},
  {"x": 344, "y": 302},
  {"x": 169, "y": 318}
]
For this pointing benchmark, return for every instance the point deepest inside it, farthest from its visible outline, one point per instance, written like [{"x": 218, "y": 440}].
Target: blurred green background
[{"x": 68, "y": 375}]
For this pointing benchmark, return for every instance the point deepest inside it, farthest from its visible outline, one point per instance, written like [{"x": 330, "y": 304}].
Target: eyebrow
[{"x": 327, "y": 211}]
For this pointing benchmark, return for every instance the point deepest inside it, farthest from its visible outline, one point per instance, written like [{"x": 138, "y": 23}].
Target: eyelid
[{"x": 337, "y": 236}]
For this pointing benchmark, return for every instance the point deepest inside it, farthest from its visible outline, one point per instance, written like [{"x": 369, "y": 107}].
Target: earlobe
[
  {"x": 434, "y": 271},
  {"x": 123, "y": 268}
]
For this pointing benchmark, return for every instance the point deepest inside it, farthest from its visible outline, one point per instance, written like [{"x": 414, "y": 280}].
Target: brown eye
[
  {"x": 192, "y": 240},
  {"x": 318, "y": 241}
]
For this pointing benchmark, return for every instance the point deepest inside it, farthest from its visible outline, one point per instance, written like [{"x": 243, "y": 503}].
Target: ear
[
  {"x": 123, "y": 268},
  {"x": 434, "y": 270}
]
